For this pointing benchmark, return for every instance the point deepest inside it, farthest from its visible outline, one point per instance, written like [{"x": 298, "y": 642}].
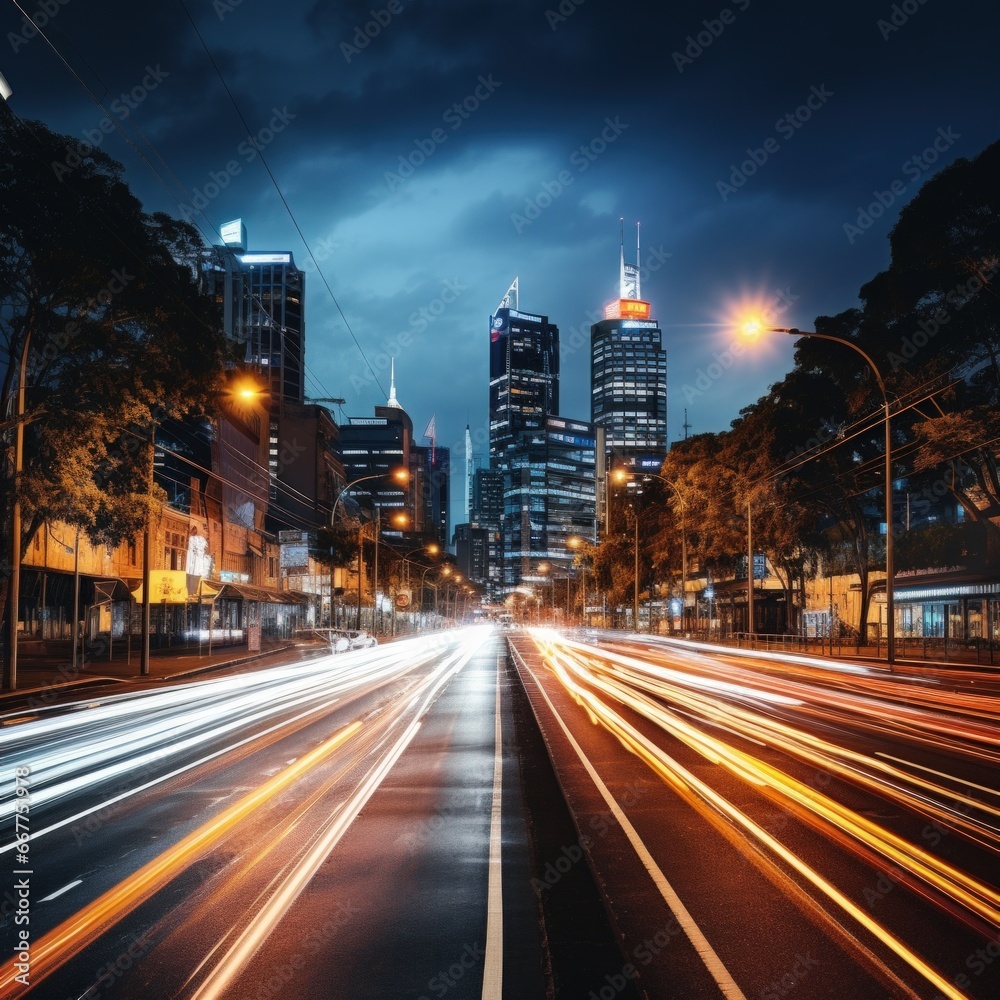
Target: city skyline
[{"x": 427, "y": 168}]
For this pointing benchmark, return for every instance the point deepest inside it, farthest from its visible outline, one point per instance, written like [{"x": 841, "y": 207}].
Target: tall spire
[
  {"x": 638, "y": 267},
  {"x": 392, "y": 401},
  {"x": 622, "y": 294},
  {"x": 628, "y": 279}
]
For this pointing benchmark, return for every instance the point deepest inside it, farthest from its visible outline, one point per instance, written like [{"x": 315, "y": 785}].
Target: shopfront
[{"x": 965, "y": 610}]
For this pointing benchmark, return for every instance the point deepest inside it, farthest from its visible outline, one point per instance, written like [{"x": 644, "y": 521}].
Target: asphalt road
[
  {"x": 766, "y": 827},
  {"x": 342, "y": 828},
  {"x": 598, "y": 816}
]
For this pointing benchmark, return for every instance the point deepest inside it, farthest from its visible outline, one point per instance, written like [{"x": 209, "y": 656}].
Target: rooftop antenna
[
  {"x": 638, "y": 291},
  {"x": 392, "y": 401},
  {"x": 621, "y": 259},
  {"x": 686, "y": 425}
]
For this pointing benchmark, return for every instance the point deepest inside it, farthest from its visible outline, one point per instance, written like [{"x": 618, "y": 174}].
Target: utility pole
[
  {"x": 750, "y": 628},
  {"x": 146, "y": 547},
  {"x": 635, "y": 594}
]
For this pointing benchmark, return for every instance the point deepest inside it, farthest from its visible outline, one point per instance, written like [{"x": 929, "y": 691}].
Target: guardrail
[{"x": 940, "y": 648}]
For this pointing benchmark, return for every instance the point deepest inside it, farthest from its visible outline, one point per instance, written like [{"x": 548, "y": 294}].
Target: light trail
[
  {"x": 279, "y": 901},
  {"x": 682, "y": 703},
  {"x": 63, "y": 942},
  {"x": 378, "y": 751},
  {"x": 84, "y": 745}
]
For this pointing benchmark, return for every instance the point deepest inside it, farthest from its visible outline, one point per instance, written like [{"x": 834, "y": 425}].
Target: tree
[
  {"x": 934, "y": 314},
  {"x": 335, "y": 546},
  {"x": 102, "y": 300}
]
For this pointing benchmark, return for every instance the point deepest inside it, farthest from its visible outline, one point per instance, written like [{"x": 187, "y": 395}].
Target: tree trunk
[{"x": 5, "y": 619}]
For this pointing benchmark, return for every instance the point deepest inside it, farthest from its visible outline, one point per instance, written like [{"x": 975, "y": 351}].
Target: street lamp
[
  {"x": 684, "y": 573},
  {"x": 620, "y": 476},
  {"x": 14, "y": 586},
  {"x": 635, "y": 571},
  {"x": 754, "y": 327},
  {"x": 401, "y": 476},
  {"x": 575, "y": 542}
]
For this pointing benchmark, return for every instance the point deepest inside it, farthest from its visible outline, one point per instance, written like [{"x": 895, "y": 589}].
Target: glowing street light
[
  {"x": 402, "y": 477},
  {"x": 751, "y": 327}
]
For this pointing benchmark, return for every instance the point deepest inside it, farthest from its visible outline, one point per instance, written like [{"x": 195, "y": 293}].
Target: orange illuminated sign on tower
[{"x": 627, "y": 309}]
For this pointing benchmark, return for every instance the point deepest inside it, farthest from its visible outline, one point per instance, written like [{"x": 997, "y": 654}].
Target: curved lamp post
[
  {"x": 401, "y": 476},
  {"x": 684, "y": 559},
  {"x": 890, "y": 610}
]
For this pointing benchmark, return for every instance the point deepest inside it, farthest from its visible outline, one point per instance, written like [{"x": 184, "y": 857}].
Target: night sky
[{"x": 434, "y": 151}]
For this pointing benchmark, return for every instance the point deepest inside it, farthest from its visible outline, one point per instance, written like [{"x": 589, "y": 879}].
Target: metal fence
[{"x": 938, "y": 648}]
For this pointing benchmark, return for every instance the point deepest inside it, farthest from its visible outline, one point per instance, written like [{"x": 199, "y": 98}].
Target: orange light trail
[
  {"x": 69, "y": 938},
  {"x": 588, "y": 673}
]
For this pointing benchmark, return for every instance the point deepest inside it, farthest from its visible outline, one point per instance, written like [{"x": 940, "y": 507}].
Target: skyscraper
[
  {"x": 549, "y": 498},
  {"x": 547, "y": 462},
  {"x": 430, "y": 468},
  {"x": 628, "y": 376},
  {"x": 262, "y": 297},
  {"x": 524, "y": 375},
  {"x": 375, "y": 447}
]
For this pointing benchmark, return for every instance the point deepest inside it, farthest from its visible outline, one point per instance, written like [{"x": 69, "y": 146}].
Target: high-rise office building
[
  {"x": 487, "y": 497},
  {"x": 372, "y": 449},
  {"x": 546, "y": 461},
  {"x": 262, "y": 299},
  {"x": 628, "y": 373},
  {"x": 549, "y": 498},
  {"x": 524, "y": 375},
  {"x": 482, "y": 538},
  {"x": 430, "y": 467}
]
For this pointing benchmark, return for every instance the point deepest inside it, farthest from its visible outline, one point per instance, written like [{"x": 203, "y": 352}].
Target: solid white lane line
[
  {"x": 706, "y": 952},
  {"x": 493, "y": 963},
  {"x": 59, "y": 892}
]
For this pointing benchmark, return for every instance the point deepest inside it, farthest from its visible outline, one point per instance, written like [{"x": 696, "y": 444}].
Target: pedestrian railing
[{"x": 937, "y": 648}]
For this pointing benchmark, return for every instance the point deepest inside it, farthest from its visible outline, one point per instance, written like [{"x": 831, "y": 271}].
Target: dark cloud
[{"x": 398, "y": 192}]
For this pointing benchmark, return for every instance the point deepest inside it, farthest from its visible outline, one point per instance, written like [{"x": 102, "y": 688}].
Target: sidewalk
[{"x": 45, "y": 674}]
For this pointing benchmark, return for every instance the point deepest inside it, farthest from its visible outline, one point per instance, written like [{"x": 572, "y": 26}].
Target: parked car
[
  {"x": 340, "y": 642},
  {"x": 363, "y": 640}
]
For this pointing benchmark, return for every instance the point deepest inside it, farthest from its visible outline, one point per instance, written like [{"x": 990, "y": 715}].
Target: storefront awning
[
  {"x": 177, "y": 587},
  {"x": 262, "y": 595}
]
